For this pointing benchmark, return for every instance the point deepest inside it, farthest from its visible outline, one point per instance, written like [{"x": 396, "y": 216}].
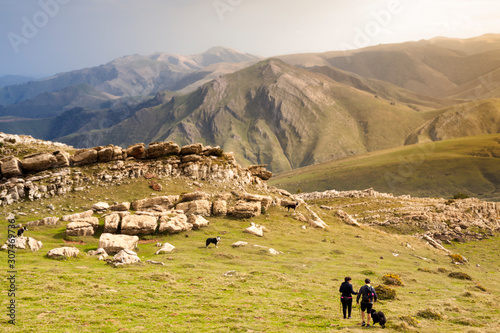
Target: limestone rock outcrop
[
  {"x": 63, "y": 253},
  {"x": 115, "y": 243}
]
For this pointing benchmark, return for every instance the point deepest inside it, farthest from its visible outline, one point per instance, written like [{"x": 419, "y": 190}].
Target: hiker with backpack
[
  {"x": 368, "y": 297},
  {"x": 345, "y": 297}
]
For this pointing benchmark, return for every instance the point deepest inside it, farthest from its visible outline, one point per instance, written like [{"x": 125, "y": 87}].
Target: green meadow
[
  {"x": 247, "y": 289},
  {"x": 435, "y": 169}
]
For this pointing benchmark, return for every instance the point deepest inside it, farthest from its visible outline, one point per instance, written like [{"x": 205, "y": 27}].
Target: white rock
[
  {"x": 166, "y": 248},
  {"x": 115, "y": 243},
  {"x": 239, "y": 244},
  {"x": 125, "y": 257},
  {"x": 63, "y": 252}
]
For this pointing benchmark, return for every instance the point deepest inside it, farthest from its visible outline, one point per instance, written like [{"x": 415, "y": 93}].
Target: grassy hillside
[
  {"x": 272, "y": 113},
  {"x": 470, "y": 165},
  {"x": 246, "y": 289},
  {"x": 469, "y": 119}
]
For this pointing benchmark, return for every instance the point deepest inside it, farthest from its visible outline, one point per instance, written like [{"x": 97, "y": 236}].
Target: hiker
[
  {"x": 369, "y": 296},
  {"x": 345, "y": 297}
]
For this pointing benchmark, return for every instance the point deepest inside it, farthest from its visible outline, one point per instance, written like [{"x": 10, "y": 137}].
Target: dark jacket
[
  {"x": 365, "y": 291},
  {"x": 346, "y": 289}
]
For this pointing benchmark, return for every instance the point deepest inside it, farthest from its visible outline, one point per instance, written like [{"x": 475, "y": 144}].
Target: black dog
[
  {"x": 21, "y": 231},
  {"x": 212, "y": 240},
  {"x": 378, "y": 317},
  {"x": 293, "y": 206}
]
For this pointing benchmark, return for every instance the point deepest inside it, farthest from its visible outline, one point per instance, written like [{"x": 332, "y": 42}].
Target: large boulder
[
  {"x": 115, "y": 243},
  {"x": 79, "y": 229},
  {"x": 245, "y": 209},
  {"x": 84, "y": 157},
  {"x": 198, "y": 195},
  {"x": 105, "y": 154},
  {"x": 212, "y": 151},
  {"x": 174, "y": 224},
  {"x": 260, "y": 171},
  {"x": 76, "y": 216},
  {"x": 62, "y": 159},
  {"x": 198, "y": 207},
  {"x": 166, "y": 248},
  {"x": 265, "y": 200},
  {"x": 255, "y": 230},
  {"x": 160, "y": 149},
  {"x": 219, "y": 208},
  {"x": 93, "y": 221},
  {"x": 198, "y": 221},
  {"x": 63, "y": 252},
  {"x": 51, "y": 220},
  {"x": 195, "y": 148},
  {"x": 24, "y": 243},
  {"x": 125, "y": 257},
  {"x": 11, "y": 167},
  {"x": 166, "y": 202},
  {"x": 139, "y": 225},
  {"x": 119, "y": 207},
  {"x": 111, "y": 223},
  {"x": 100, "y": 206},
  {"x": 137, "y": 151},
  {"x": 38, "y": 162}
]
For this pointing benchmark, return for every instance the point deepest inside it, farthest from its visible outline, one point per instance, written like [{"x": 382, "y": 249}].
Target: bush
[
  {"x": 430, "y": 314},
  {"x": 384, "y": 292},
  {"x": 442, "y": 270},
  {"x": 460, "y": 195},
  {"x": 425, "y": 270},
  {"x": 412, "y": 321},
  {"x": 392, "y": 280},
  {"x": 460, "y": 276},
  {"x": 367, "y": 272},
  {"x": 458, "y": 259}
]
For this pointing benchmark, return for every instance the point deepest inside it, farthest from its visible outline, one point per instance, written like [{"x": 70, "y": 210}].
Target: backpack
[{"x": 368, "y": 294}]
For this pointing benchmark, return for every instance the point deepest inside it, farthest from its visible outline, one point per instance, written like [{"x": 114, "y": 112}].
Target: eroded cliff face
[{"x": 47, "y": 174}]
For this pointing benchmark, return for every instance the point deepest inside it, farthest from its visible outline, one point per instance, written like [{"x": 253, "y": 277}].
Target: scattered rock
[
  {"x": 198, "y": 207},
  {"x": 79, "y": 229},
  {"x": 63, "y": 253},
  {"x": 198, "y": 221},
  {"x": 255, "y": 230},
  {"x": 166, "y": 202},
  {"x": 115, "y": 243},
  {"x": 244, "y": 209},
  {"x": 125, "y": 257},
  {"x": 174, "y": 224},
  {"x": 138, "y": 224},
  {"x": 112, "y": 223},
  {"x": 219, "y": 208},
  {"x": 100, "y": 206},
  {"x": 198, "y": 195},
  {"x": 124, "y": 206},
  {"x": 51, "y": 220},
  {"x": 166, "y": 248},
  {"x": 68, "y": 218},
  {"x": 239, "y": 244}
]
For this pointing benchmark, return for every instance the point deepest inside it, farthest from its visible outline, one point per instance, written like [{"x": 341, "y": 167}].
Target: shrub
[
  {"x": 442, "y": 270},
  {"x": 425, "y": 270},
  {"x": 458, "y": 259},
  {"x": 430, "y": 314},
  {"x": 480, "y": 287},
  {"x": 460, "y": 195},
  {"x": 367, "y": 272},
  {"x": 392, "y": 280},
  {"x": 412, "y": 321},
  {"x": 460, "y": 276},
  {"x": 384, "y": 292}
]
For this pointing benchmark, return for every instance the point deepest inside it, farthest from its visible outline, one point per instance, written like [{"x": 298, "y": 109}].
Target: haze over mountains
[{"x": 287, "y": 112}]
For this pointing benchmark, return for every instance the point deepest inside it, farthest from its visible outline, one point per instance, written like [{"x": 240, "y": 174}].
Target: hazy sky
[{"x": 44, "y": 37}]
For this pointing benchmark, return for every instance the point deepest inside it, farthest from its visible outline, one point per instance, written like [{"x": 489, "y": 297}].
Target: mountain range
[{"x": 287, "y": 112}]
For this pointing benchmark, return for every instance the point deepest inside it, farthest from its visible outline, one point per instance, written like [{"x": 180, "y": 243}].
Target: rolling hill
[
  {"x": 470, "y": 165},
  {"x": 271, "y": 113}
]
